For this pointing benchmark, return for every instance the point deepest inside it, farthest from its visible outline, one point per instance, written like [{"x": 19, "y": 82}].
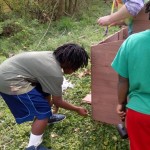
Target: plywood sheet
[
  {"x": 104, "y": 78},
  {"x": 104, "y": 82},
  {"x": 120, "y": 35}
]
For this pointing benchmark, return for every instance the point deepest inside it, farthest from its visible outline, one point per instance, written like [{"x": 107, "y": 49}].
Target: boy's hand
[
  {"x": 104, "y": 21},
  {"x": 121, "y": 111},
  {"x": 82, "y": 111}
]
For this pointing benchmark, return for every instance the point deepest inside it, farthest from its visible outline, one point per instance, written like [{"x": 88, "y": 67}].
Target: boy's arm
[
  {"x": 54, "y": 107},
  {"x": 121, "y": 14},
  {"x": 123, "y": 87},
  {"x": 130, "y": 8},
  {"x": 59, "y": 102}
]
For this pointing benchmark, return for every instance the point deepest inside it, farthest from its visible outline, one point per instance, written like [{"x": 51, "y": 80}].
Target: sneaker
[
  {"x": 40, "y": 147},
  {"x": 56, "y": 118}
]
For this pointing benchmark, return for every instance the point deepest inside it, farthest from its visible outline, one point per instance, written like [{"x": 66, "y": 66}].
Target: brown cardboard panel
[
  {"x": 103, "y": 73},
  {"x": 105, "y": 89},
  {"x": 103, "y": 54},
  {"x": 123, "y": 34},
  {"x": 111, "y": 38},
  {"x": 102, "y": 57},
  {"x": 120, "y": 35},
  {"x": 105, "y": 116},
  {"x": 104, "y": 78},
  {"x": 104, "y": 104},
  {"x": 104, "y": 82}
]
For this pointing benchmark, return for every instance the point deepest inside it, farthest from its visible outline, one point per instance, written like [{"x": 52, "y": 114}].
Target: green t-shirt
[
  {"x": 133, "y": 62},
  {"x": 19, "y": 72}
]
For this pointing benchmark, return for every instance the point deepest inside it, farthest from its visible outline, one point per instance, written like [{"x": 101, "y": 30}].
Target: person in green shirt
[
  {"x": 132, "y": 63},
  {"x": 21, "y": 76}
]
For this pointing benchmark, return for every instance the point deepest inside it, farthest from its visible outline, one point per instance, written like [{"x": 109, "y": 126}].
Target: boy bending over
[{"x": 19, "y": 76}]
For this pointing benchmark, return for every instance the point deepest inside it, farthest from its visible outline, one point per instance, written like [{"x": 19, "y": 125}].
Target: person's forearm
[
  {"x": 121, "y": 14},
  {"x": 123, "y": 87},
  {"x": 66, "y": 105}
]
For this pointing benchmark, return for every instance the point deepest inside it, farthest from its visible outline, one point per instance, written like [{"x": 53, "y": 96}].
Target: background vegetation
[{"x": 38, "y": 25}]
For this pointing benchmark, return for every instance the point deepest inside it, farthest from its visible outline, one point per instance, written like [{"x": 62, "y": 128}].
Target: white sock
[{"x": 35, "y": 140}]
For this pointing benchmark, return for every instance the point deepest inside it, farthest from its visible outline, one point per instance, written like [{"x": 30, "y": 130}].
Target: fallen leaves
[
  {"x": 85, "y": 72},
  {"x": 54, "y": 135}
]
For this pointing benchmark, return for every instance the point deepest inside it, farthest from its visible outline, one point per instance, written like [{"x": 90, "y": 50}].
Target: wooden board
[
  {"x": 104, "y": 82},
  {"x": 104, "y": 78}
]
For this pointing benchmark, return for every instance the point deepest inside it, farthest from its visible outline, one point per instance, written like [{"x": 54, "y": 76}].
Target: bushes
[
  {"x": 9, "y": 28},
  {"x": 44, "y": 10},
  {"x": 16, "y": 34}
]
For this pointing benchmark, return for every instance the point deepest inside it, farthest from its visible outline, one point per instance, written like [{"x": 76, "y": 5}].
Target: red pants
[{"x": 138, "y": 127}]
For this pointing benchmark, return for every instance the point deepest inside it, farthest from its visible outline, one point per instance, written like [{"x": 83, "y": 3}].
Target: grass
[{"x": 75, "y": 132}]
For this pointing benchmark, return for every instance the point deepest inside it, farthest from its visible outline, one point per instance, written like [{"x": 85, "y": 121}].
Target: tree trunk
[
  {"x": 76, "y": 6},
  {"x": 70, "y": 7},
  {"x": 61, "y": 8}
]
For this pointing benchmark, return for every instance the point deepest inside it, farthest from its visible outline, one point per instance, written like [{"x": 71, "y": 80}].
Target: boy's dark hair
[
  {"x": 72, "y": 55},
  {"x": 147, "y": 9}
]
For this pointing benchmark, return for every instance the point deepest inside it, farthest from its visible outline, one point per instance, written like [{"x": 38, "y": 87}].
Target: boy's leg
[
  {"x": 39, "y": 126},
  {"x": 26, "y": 107},
  {"x": 37, "y": 131},
  {"x": 55, "y": 118}
]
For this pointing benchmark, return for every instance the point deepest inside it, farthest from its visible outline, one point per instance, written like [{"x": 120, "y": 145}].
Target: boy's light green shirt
[{"x": 133, "y": 62}]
